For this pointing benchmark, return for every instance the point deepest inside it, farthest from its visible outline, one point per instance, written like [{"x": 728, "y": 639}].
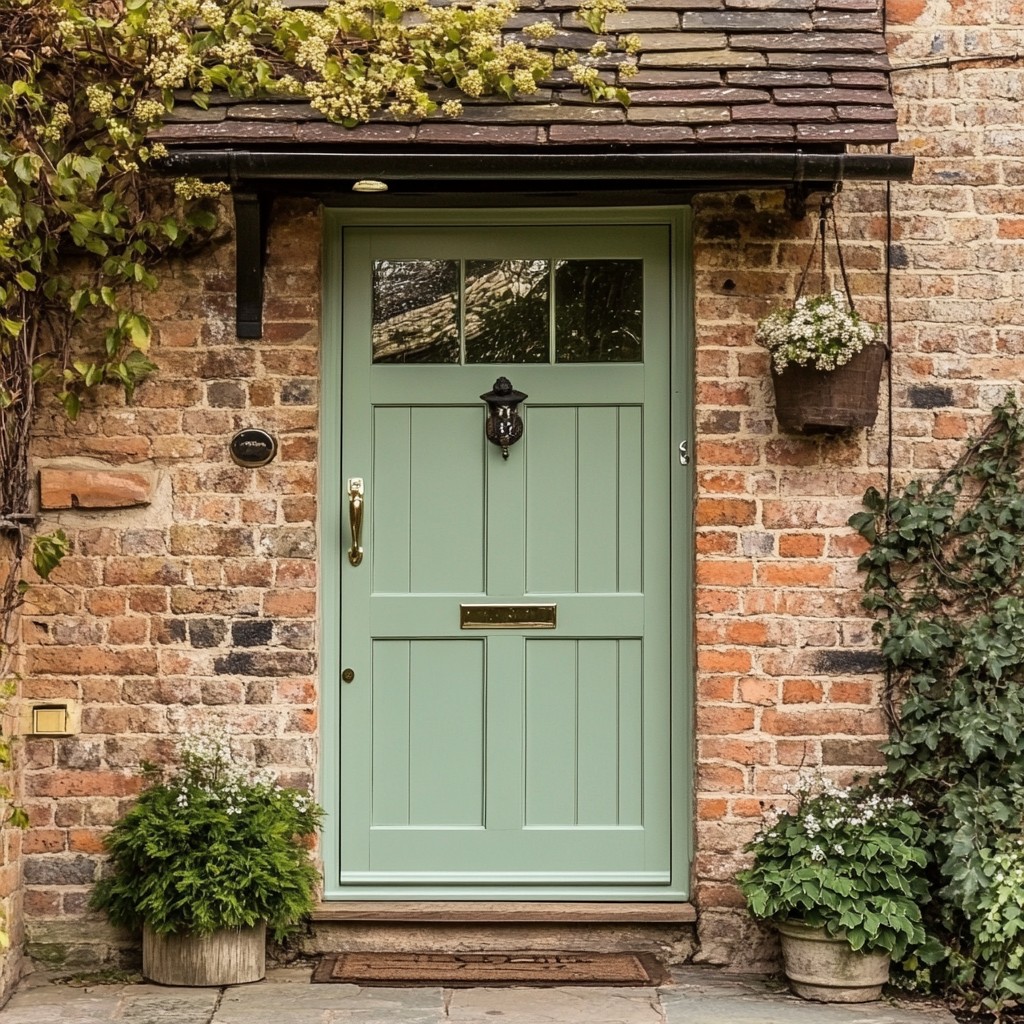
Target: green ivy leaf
[{"x": 48, "y": 550}]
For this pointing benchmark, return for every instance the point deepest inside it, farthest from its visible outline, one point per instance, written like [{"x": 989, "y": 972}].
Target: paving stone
[
  {"x": 702, "y": 996},
  {"x": 41, "y": 1008},
  {"x": 47, "y": 1003},
  {"x": 576, "y": 1005},
  {"x": 157, "y": 1004},
  {"x": 283, "y": 1003}
]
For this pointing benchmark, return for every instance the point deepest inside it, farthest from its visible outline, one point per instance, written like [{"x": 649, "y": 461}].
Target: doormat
[{"x": 468, "y": 970}]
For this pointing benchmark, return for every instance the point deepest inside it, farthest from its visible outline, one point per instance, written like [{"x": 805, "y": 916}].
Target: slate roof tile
[
  {"x": 747, "y": 133},
  {"x": 833, "y": 96},
  {"x": 591, "y": 134},
  {"x": 677, "y": 115},
  {"x": 638, "y": 21},
  {"x": 771, "y": 5},
  {"x": 865, "y": 79},
  {"x": 681, "y": 79},
  {"x": 846, "y": 21},
  {"x": 650, "y": 41},
  {"x": 675, "y": 97},
  {"x": 703, "y": 58},
  {"x": 768, "y": 78},
  {"x": 748, "y": 21},
  {"x": 809, "y": 42},
  {"x": 857, "y": 133},
  {"x": 846, "y": 61},
  {"x": 866, "y": 113},
  {"x": 713, "y": 73},
  {"x": 847, "y": 5},
  {"x": 771, "y": 112}
]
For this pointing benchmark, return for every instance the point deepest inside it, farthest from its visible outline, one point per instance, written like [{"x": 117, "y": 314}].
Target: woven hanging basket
[{"x": 809, "y": 401}]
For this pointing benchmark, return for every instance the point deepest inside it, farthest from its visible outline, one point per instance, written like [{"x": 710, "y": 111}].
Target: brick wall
[
  {"x": 787, "y": 674},
  {"x": 201, "y": 607},
  {"x": 196, "y": 610},
  {"x": 11, "y": 884}
]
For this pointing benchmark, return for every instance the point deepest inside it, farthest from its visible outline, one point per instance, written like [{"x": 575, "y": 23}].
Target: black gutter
[{"x": 639, "y": 168}]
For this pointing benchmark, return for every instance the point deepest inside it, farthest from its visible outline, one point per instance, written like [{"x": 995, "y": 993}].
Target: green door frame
[{"x": 679, "y": 222}]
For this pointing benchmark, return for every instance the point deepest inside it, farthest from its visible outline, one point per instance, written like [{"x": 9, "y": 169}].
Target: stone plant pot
[
  {"x": 823, "y": 967},
  {"x": 232, "y": 956}
]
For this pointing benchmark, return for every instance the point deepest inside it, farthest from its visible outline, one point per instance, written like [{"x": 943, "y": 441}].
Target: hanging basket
[{"x": 810, "y": 401}]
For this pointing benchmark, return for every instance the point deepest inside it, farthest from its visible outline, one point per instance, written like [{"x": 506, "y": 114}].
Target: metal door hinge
[{"x": 684, "y": 454}]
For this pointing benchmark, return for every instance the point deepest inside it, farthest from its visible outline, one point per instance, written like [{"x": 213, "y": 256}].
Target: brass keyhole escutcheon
[{"x": 347, "y": 675}]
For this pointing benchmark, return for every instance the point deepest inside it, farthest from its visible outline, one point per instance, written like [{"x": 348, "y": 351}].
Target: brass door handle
[{"x": 355, "y": 519}]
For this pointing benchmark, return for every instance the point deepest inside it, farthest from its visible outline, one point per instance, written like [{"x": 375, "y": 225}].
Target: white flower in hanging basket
[{"x": 820, "y": 331}]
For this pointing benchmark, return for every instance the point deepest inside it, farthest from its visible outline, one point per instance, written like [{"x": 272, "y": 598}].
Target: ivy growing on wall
[
  {"x": 946, "y": 567},
  {"x": 85, "y": 217}
]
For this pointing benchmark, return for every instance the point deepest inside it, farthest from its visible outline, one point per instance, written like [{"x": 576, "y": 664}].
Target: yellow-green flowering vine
[{"x": 85, "y": 219}]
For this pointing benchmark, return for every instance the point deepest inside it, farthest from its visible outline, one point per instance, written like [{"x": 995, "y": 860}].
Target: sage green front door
[{"x": 506, "y": 630}]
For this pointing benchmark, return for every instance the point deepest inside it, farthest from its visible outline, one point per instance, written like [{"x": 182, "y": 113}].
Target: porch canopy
[{"x": 729, "y": 94}]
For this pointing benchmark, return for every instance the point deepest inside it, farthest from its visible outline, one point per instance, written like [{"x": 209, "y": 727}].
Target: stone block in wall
[{"x": 94, "y": 488}]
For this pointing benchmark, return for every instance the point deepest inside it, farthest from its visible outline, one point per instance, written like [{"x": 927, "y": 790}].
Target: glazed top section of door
[{"x": 506, "y": 759}]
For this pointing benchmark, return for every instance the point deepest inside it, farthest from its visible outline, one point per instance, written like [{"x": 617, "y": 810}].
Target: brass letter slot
[{"x": 507, "y": 616}]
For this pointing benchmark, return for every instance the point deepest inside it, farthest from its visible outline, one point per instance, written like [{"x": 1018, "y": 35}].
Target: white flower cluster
[
  {"x": 818, "y": 331},
  {"x": 824, "y": 807},
  {"x": 211, "y": 768}
]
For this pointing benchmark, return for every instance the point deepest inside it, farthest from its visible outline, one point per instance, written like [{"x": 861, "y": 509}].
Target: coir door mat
[{"x": 467, "y": 970}]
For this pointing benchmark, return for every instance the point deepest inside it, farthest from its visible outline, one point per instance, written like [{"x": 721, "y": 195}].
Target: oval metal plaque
[{"x": 253, "y": 447}]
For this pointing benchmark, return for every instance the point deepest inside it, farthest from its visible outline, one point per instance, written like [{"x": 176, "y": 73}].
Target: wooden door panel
[
  {"x": 427, "y": 733},
  {"x": 584, "y": 500},
  {"x": 584, "y": 758},
  {"x": 428, "y": 500}
]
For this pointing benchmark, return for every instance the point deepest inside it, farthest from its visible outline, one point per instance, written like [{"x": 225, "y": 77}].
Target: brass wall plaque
[{"x": 507, "y": 616}]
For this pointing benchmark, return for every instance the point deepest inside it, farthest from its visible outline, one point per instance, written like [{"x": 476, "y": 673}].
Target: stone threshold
[{"x": 472, "y": 911}]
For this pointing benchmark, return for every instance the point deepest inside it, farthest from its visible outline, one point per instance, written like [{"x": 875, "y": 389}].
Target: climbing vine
[
  {"x": 946, "y": 567},
  {"x": 86, "y": 218}
]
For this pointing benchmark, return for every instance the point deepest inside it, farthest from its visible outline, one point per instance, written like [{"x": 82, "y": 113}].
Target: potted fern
[
  {"x": 211, "y": 855},
  {"x": 841, "y": 876}
]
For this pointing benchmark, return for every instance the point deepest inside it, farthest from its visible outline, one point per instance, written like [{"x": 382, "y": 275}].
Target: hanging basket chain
[{"x": 825, "y": 213}]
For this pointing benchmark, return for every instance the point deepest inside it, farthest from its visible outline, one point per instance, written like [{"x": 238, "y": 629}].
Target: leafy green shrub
[
  {"x": 946, "y": 566},
  {"x": 997, "y": 923},
  {"x": 847, "y": 860},
  {"x": 211, "y": 846}
]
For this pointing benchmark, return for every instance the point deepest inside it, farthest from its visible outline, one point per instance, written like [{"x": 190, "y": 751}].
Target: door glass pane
[
  {"x": 599, "y": 311},
  {"x": 507, "y": 311},
  {"x": 415, "y": 311}
]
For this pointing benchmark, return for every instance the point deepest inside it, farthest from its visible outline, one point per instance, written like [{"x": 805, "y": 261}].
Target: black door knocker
[{"x": 504, "y": 424}]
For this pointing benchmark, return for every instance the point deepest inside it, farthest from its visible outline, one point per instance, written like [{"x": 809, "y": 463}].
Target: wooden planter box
[
  {"x": 809, "y": 401},
  {"x": 228, "y": 957}
]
